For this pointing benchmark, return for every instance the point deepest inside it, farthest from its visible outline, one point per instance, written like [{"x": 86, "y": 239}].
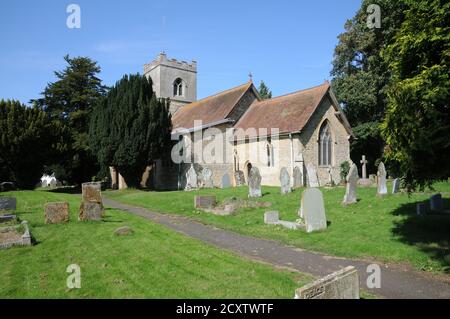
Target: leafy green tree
[
  {"x": 70, "y": 101},
  {"x": 417, "y": 124},
  {"x": 264, "y": 91},
  {"x": 360, "y": 74},
  {"x": 130, "y": 128},
  {"x": 28, "y": 141}
]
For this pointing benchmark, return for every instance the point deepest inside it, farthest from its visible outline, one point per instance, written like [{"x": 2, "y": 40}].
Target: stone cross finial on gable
[
  {"x": 250, "y": 77},
  {"x": 364, "y": 167}
]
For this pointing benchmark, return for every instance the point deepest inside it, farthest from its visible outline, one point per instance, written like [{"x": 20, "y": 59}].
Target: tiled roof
[
  {"x": 289, "y": 113},
  {"x": 210, "y": 110}
]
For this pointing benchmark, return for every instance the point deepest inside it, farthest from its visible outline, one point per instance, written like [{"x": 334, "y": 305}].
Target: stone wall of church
[{"x": 298, "y": 150}]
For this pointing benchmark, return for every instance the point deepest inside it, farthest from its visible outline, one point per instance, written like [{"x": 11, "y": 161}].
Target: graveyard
[
  {"x": 152, "y": 262},
  {"x": 386, "y": 229}
]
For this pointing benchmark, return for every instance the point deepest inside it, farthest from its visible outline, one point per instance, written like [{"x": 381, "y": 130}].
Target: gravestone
[
  {"x": 271, "y": 218},
  {"x": 204, "y": 202},
  {"x": 381, "y": 176},
  {"x": 436, "y": 203},
  {"x": 239, "y": 177},
  {"x": 285, "y": 181},
  {"x": 226, "y": 181},
  {"x": 207, "y": 176},
  {"x": 191, "y": 179},
  {"x": 56, "y": 213},
  {"x": 92, "y": 192},
  {"x": 298, "y": 178},
  {"x": 91, "y": 208},
  {"x": 352, "y": 181},
  {"x": 90, "y": 211},
  {"x": 364, "y": 163},
  {"x": 8, "y": 203},
  {"x": 396, "y": 186},
  {"x": 313, "y": 210},
  {"x": 124, "y": 231},
  {"x": 254, "y": 183},
  {"x": 313, "y": 180},
  {"x": 343, "y": 284}
]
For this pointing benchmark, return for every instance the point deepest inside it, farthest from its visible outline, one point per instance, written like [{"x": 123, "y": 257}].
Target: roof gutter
[{"x": 177, "y": 133}]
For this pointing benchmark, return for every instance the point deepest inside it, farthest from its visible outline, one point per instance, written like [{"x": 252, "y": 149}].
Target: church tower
[{"x": 173, "y": 79}]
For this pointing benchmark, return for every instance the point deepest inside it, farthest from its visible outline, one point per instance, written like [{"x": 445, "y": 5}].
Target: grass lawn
[
  {"x": 386, "y": 229},
  {"x": 154, "y": 262}
]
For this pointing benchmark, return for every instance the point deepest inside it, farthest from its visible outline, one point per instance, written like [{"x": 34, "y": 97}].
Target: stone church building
[{"x": 238, "y": 130}]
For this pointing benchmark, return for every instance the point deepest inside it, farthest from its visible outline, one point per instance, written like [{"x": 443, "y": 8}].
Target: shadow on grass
[
  {"x": 429, "y": 233},
  {"x": 66, "y": 190}
]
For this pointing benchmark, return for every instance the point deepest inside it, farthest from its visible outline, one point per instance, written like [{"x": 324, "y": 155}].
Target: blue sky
[{"x": 288, "y": 44}]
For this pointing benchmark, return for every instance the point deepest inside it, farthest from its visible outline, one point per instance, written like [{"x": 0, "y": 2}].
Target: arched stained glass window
[{"x": 325, "y": 145}]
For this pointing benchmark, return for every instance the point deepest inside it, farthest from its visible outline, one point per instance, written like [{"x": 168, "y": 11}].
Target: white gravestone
[
  {"x": 191, "y": 179},
  {"x": 207, "y": 176},
  {"x": 352, "y": 181},
  {"x": 254, "y": 183},
  {"x": 313, "y": 180},
  {"x": 396, "y": 186},
  {"x": 382, "y": 187},
  {"x": 313, "y": 210},
  {"x": 285, "y": 181}
]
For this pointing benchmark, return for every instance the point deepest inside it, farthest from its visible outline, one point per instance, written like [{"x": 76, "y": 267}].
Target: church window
[
  {"x": 178, "y": 87},
  {"x": 325, "y": 145},
  {"x": 270, "y": 157}
]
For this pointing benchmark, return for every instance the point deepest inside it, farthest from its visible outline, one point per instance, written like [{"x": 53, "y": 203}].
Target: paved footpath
[{"x": 396, "y": 283}]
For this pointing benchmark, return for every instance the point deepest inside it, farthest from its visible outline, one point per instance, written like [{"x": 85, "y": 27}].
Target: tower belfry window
[{"x": 178, "y": 87}]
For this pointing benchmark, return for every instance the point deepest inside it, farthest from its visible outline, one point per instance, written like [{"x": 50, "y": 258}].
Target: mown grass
[
  {"x": 386, "y": 229},
  {"x": 154, "y": 262}
]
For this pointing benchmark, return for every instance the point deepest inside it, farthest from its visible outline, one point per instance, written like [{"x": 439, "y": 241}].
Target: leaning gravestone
[
  {"x": 205, "y": 202},
  {"x": 8, "y": 203},
  {"x": 56, "y": 213},
  {"x": 91, "y": 208},
  {"x": 313, "y": 210},
  {"x": 436, "y": 203},
  {"x": 191, "y": 179},
  {"x": 396, "y": 186},
  {"x": 239, "y": 178},
  {"x": 285, "y": 181},
  {"x": 313, "y": 180},
  {"x": 381, "y": 176},
  {"x": 298, "y": 177},
  {"x": 343, "y": 284},
  {"x": 254, "y": 183},
  {"x": 352, "y": 181},
  {"x": 226, "y": 181},
  {"x": 207, "y": 175}
]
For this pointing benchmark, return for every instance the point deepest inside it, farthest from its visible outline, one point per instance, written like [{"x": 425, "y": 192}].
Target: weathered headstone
[
  {"x": 298, "y": 177},
  {"x": 124, "y": 231},
  {"x": 8, "y": 203},
  {"x": 239, "y": 177},
  {"x": 285, "y": 181},
  {"x": 364, "y": 163},
  {"x": 352, "y": 181},
  {"x": 56, "y": 213},
  {"x": 191, "y": 179},
  {"x": 204, "y": 202},
  {"x": 254, "y": 183},
  {"x": 343, "y": 284},
  {"x": 271, "y": 218},
  {"x": 313, "y": 210},
  {"x": 91, "y": 208},
  {"x": 330, "y": 177},
  {"x": 396, "y": 186},
  {"x": 226, "y": 181},
  {"x": 92, "y": 192},
  {"x": 313, "y": 179},
  {"x": 90, "y": 211},
  {"x": 207, "y": 177},
  {"x": 436, "y": 203},
  {"x": 381, "y": 176}
]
